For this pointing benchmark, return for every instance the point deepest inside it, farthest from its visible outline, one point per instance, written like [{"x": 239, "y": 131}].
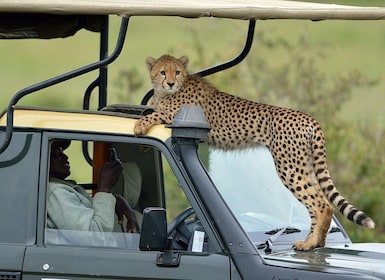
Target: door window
[{"x": 78, "y": 213}]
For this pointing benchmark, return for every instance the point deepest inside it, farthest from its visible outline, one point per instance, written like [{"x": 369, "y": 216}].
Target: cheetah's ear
[
  {"x": 184, "y": 60},
  {"x": 150, "y": 62}
]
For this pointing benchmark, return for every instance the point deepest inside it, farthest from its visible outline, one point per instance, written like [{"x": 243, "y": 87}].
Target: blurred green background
[{"x": 333, "y": 70}]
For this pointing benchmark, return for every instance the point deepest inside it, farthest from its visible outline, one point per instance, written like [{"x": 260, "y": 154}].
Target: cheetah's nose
[{"x": 171, "y": 84}]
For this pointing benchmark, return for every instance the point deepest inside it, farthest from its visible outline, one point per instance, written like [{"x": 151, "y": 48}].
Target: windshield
[{"x": 248, "y": 182}]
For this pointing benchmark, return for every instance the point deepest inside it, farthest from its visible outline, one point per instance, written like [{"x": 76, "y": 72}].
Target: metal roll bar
[
  {"x": 100, "y": 81},
  {"x": 61, "y": 78}
]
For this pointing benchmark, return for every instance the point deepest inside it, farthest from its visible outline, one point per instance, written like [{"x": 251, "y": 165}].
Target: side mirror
[{"x": 153, "y": 236}]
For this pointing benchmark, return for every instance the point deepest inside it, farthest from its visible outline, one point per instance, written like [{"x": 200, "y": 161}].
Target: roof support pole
[{"x": 101, "y": 80}]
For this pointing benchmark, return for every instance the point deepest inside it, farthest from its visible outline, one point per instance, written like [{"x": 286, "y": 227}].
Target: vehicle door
[
  {"x": 72, "y": 254},
  {"x": 19, "y": 171}
]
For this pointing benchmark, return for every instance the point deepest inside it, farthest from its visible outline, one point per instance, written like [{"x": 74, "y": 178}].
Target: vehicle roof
[
  {"x": 100, "y": 121},
  {"x": 241, "y": 9}
]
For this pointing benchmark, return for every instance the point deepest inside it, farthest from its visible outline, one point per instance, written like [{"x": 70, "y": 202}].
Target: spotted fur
[{"x": 295, "y": 140}]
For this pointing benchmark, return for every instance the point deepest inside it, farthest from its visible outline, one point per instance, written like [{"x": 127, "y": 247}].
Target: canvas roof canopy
[
  {"x": 40, "y": 12},
  {"x": 236, "y": 9}
]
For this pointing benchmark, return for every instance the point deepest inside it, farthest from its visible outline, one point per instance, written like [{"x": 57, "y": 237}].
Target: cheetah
[{"x": 295, "y": 140}]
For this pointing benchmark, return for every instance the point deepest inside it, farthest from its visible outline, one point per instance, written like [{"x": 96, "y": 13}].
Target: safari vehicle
[{"x": 224, "y": 233}]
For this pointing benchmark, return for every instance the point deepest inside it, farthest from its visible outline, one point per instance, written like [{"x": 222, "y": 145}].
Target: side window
[
  {"x": 81, "y": 203},
  {"x": 92, "y": 205}
]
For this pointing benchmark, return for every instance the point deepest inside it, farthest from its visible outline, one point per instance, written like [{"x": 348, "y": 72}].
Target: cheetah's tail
[
  {"x": 322, "y": 173},
  {"x": 344, "y": 206},
  {"x": 349, "y": 211}
]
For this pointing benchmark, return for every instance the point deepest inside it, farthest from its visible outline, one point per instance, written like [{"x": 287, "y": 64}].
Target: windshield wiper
[
  {"x": 335, "y": 229},
  {"x": 275, "y": 234},
  {"x": 287, "y": 230}
]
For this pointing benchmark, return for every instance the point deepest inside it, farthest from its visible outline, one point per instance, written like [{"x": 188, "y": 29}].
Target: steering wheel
[{"x": 178, "y": 230}]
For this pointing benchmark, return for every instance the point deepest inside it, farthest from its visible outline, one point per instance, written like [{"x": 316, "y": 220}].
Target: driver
[{"x": 69, "y": 206}]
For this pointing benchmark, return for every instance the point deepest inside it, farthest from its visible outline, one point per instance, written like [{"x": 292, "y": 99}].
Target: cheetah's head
[{"x": 167, "y": 73}]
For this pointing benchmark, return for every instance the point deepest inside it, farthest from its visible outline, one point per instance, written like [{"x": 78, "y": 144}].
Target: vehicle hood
[{"x": 364, "y": 258}]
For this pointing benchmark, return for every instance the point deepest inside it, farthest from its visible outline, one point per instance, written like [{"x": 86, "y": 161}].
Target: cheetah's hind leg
[
  {"x": 308, "y": 191},
  {"x": 320, "y": 223}
]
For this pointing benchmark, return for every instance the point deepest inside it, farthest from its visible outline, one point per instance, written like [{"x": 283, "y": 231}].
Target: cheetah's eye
[
  {"x": 177, "y": 73},
  {"x": 163, "y": 73}
]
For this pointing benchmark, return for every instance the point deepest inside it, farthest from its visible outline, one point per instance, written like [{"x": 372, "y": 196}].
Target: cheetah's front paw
[{"x": 140, "y": 127}]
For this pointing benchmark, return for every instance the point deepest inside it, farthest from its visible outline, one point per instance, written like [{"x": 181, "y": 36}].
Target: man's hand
[
  {"x": 123, "y": 209},
  {"x": 109, "y": 175}
]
